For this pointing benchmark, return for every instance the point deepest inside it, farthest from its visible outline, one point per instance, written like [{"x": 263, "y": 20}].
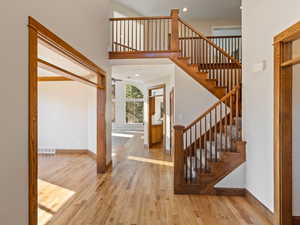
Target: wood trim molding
[
  {"x": 43, "y": 79},
  {"x": 159, "y": 86},
  {"x": 77, "y": 151},
  {"x": 56, "y": 69},
  {"x": 259, "y": 206},
  {"x": 101, "y": 128},
  {"x": 291, "y": 62},
  {"x": 230, "y": 191},
  {"x": 283, "y": 151},
  {"x": 39, "y": 32},
  {"x": 33, "y": 129},
  {"x": 52, "y": 39},
  {"x": 290, "y": 34},
  {"x": 141, "y": 54},
  {"x": 71, "y": 151},
  {"x": 296, "y": 220}
]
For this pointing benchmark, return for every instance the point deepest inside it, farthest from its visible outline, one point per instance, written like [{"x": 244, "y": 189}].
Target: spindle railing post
[
  {"x": 178, "y": 158},
  {"x": 174, "y": 30}
]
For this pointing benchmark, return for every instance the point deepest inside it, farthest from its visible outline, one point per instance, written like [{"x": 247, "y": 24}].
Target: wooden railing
[
  {"x": 200, "y": 49},
  {"x": 230, "y": 44},
  {"x": 171, "y": 33},
  {"x": 205, "y": 139},
  {"x": 141, "y": 34},
  {"x": 210, "y": 57}
]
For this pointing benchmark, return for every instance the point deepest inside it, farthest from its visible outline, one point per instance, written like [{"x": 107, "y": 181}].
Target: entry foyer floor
[{"x": 138, "y": 191}]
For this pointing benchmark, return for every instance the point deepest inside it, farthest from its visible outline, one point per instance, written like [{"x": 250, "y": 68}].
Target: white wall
[
  {"x": 63, "y": 115},
  {"x": 261, "y": 21},
  {"x": 296, "y": 140},
  {"x": 206, "y": 27},
  {"x": 84, "y": 24},
  {"x": 191, "y": 98},
  {"x": 236, "y": 179},
  {"x": 121, "y": 10}
]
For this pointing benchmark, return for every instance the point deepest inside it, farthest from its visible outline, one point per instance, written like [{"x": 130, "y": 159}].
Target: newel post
[
  {"x": 178, "y": 158},
  {"x": 174, "y": 43}
]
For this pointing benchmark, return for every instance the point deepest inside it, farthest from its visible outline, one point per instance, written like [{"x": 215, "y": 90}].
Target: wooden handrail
[
  {"x": 124, "y": 46},
  {"x": 229, "y": 36},
  {"x": 211, "y": 37},
  {"x": 210, "y": 42},
  {"x": 142, "y": 18},
  {"x": 214, "y": 106}
]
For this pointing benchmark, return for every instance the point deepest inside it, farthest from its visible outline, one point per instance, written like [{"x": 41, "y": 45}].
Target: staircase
[{"x": 211, "y": 147}]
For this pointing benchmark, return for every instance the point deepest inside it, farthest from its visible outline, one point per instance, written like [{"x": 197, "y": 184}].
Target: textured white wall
[
  {"x": 261, "y": 21},
  {"x": 63, "y": 115},
  {"x": 85, "y": 25}
]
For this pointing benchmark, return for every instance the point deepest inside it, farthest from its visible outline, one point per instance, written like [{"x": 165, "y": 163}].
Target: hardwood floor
[{"x": 138, "y": 191}]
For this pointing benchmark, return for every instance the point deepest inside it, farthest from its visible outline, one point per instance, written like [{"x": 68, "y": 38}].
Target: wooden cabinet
[{"x": 156, "y": 133}]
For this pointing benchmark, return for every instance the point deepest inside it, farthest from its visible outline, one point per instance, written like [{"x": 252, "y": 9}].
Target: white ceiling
[
  {"x": 146, "y": 73},
  {"x": 198, "y": 9}
]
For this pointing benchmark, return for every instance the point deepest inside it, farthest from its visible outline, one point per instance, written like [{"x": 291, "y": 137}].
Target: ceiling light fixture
[
  {"x": 137, "y": 75},
  {"x": 185, "y": 9}
]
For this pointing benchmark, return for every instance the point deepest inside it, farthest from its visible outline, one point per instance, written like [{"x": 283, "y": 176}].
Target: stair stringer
[
  {"x": 235, "y": 179},
  {"x": 200, "y": 77},
  {"x": 219, "y": 170}
]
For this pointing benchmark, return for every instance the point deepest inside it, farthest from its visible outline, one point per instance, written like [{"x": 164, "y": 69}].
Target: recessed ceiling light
[
  {"x": 137, "y": 75},
  {"x": 185, "y": 9}
]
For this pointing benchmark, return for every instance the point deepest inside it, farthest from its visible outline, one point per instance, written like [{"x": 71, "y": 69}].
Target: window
[{"x": 134, "y": 104}]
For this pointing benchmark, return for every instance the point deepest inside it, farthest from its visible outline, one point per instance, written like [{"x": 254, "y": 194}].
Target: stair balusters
[{"x": 213, "y": 133}]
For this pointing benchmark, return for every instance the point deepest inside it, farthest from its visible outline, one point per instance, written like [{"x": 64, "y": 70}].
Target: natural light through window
[
  {"x": 51, "y": 198},
  {"x": 153, "y": 161},
  {"x": 122, "y": 135}
]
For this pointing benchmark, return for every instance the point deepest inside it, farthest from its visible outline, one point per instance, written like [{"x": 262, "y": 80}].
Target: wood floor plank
[{"x": 138, "y": 191}]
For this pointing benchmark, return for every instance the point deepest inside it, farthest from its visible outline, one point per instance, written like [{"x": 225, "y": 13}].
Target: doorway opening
[
  {"x": 157, "y": 116},
  {"x": 286, "y": 125},
  {"x": 51, "y": 59}
]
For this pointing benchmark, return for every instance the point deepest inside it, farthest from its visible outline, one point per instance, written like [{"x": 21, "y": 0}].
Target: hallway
[{"x": 139, "y": 191}]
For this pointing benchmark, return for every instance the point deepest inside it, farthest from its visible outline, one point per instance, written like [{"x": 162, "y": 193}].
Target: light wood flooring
[{"x": 138, "y": 191}]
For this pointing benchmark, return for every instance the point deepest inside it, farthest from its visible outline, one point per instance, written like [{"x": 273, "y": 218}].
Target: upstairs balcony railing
[
  {"x": 231, "y": 44},
  {"x": 172, "y": 34}
]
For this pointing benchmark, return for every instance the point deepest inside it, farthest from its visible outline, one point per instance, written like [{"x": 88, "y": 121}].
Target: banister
[
  {"x": 178, "y": 156},
  {"x": 210, "y": 42},
  {"x": 212, "y": 107},
  {"x": 124, "y": 46},
  {"x": 230, "y": 36},
  {"x": 211, "y": 37},
  {"x": 142, "y": 18}
]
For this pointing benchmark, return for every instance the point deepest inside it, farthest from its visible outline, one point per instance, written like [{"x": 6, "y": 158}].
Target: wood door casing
[
  {"x": 150, "y": 113},
  {"x": 283, "y": 124}
]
